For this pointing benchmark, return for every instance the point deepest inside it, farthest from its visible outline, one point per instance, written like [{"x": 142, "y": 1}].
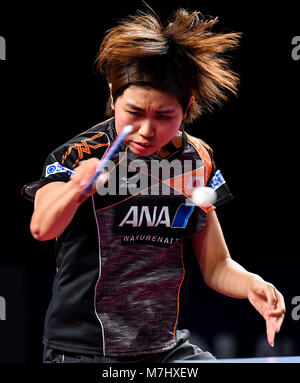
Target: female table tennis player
[{"x": 120, "y": 265}]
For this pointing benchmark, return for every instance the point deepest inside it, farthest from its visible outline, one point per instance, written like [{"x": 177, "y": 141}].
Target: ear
[
  {"x": 191, "y": 101},
  {"x": 111, "y": 97}
]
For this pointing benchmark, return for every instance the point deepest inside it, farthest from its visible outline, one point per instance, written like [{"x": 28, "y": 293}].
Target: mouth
[{"x": 142, "y": 145}]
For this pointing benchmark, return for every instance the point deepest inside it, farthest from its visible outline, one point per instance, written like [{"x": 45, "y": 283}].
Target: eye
[
  {"x": 133, "y": 113},
  {"x": 164, "y": 117}
]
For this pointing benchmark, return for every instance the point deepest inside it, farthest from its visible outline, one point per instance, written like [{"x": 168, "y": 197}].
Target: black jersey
[{"x": 119, "y": 262}]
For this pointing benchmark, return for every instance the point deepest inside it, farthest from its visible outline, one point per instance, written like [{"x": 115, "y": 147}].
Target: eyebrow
[{"x": 138, "y": 108}]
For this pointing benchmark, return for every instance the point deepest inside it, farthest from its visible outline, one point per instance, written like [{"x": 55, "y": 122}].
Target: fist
[{"x": 83, "y": 173}]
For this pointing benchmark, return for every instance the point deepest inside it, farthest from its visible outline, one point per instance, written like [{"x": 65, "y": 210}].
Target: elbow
[
  {"x": 207, "y": 277},
  {"x": 38, "y": 236},
  {"x": 38, "y": 232},
  {"x": 212, "y": 274}
]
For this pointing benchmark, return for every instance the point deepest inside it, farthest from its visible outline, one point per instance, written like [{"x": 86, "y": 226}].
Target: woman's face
[{"x": 155, "y": 116}]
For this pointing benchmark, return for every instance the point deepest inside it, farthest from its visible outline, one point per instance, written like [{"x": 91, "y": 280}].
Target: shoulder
[
  {"x": 91, "y": 143},
  {"x": 97, "y": 134},
  {"x": 200, "y": 146}
]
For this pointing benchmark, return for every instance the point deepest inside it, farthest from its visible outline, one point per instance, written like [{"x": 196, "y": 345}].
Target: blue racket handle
[{"x": 111, "y": 151}]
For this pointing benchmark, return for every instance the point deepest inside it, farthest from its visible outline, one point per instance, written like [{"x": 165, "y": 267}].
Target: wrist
[{"x": 252, "y": 282}]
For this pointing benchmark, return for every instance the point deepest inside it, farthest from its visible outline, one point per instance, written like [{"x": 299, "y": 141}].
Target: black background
[{"x": 50, "y": 91}]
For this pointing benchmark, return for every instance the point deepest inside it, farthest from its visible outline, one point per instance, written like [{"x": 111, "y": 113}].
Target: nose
[{"x": 147, "y": 129}]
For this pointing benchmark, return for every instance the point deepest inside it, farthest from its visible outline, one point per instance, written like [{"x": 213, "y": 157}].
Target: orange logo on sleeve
[{"x": 84, "y": 147}]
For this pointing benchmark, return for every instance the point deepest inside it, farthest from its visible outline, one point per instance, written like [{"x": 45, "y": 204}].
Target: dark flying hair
[{"x": 183, "y": 58}]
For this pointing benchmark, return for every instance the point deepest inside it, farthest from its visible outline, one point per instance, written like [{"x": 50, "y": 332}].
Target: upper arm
[{"x": 210, "y": 246}]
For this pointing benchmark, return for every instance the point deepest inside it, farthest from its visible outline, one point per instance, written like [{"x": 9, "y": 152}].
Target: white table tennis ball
[{"x": 204, "y": 196}]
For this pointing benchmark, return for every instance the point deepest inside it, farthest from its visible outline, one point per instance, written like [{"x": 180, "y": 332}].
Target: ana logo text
[{"x": 153, "y": 216}]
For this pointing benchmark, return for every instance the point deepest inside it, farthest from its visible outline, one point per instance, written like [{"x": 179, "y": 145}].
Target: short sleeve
[
  {"x": 60, "y": 164},
  {"x": 55, "y": 169},
  {"x": 213, "y": 176},
  {"x": 217, "y": 182}
]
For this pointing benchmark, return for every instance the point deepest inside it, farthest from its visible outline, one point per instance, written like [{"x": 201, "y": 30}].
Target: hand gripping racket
[{"x": 111, "y": 151}]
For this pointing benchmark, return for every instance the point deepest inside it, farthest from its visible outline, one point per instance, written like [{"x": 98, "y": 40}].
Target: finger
[
  {"x": 277, "y": 313},
  {"x": 84, "y": 170},
  {"x": 278, "y": 323},
  {"x": 271, "y": 297},
  {"x": 270, "y": 331},
  {"x": 280, "y": 301},
  {"x": 280, "y": 308},
  {"x": 87, "y": 169}
]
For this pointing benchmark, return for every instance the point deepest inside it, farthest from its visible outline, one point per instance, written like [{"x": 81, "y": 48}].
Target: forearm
[
  {"x": 230, "y": 278},
  {"x": 57, "y": 202},
  {"x": 55, "y": 211},
  {"x": 226, "y": 276}
]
